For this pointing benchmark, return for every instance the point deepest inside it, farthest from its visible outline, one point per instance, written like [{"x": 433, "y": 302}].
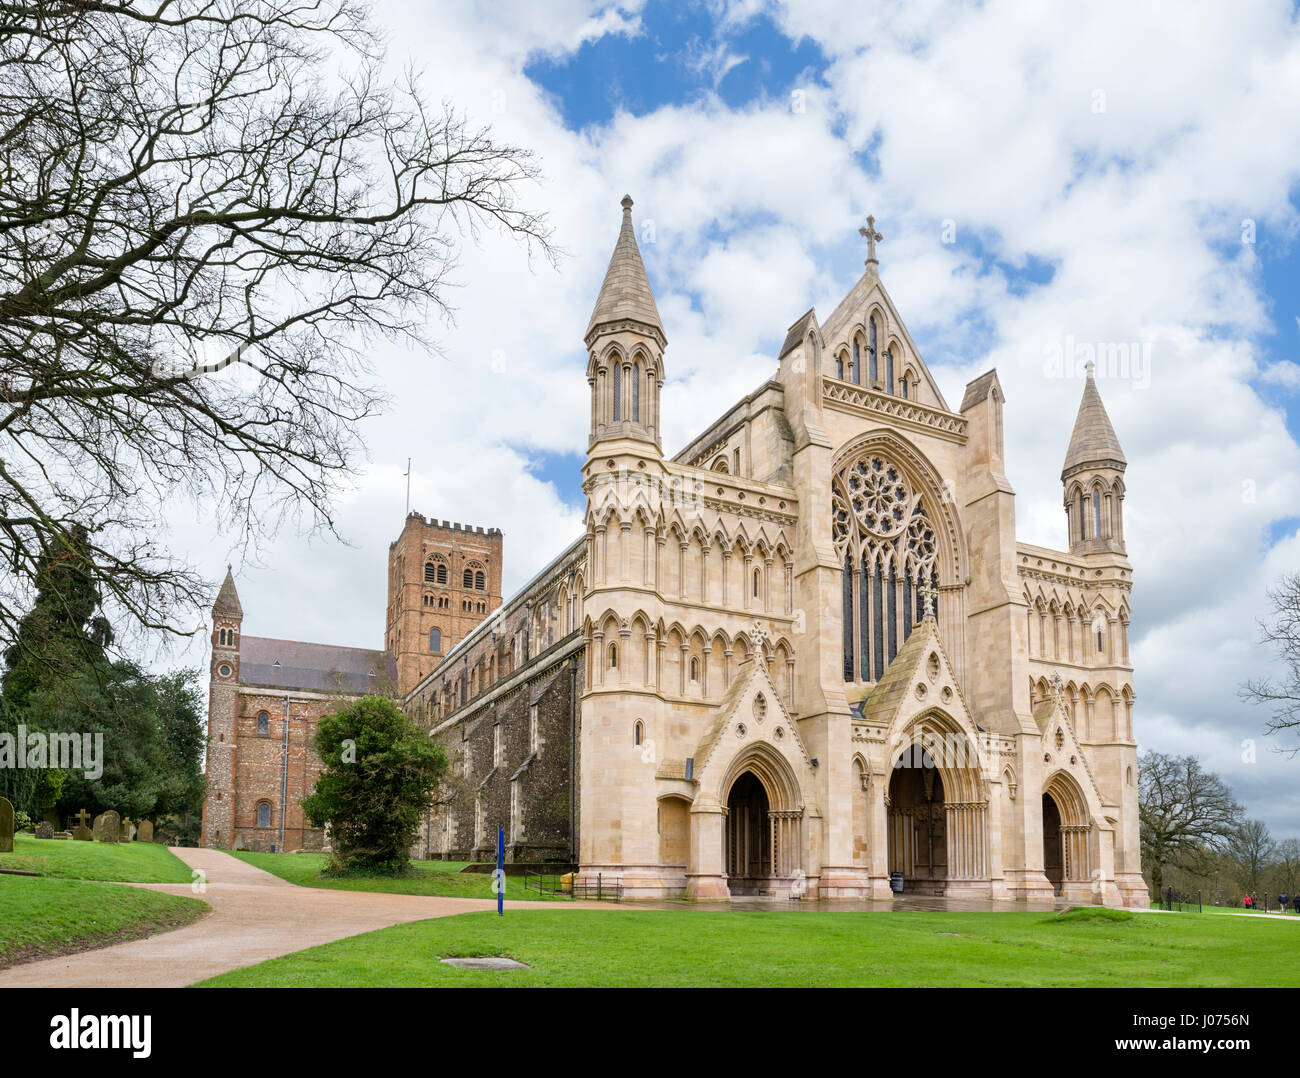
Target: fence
[
  {"x": 1178, "y": 902},
  {"x": 556, "y": 883}
]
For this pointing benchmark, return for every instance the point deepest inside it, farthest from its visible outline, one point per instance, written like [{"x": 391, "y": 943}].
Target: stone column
[{"x": 705, "y": 874}]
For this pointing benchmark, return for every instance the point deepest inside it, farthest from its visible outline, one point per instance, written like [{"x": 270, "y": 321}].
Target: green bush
[{"x": 380, "y": 771}]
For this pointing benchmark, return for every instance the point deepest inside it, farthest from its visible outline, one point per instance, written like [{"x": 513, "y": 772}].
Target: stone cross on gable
[
  {"x": 1058, "y": 687},
  {"x": 758, "y": 633},
  {"x": 930, "y": 594},
  {"x": 869, "y": 233}
]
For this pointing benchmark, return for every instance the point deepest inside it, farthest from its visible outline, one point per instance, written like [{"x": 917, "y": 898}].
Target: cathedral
[{"x": 804, "y": 656}]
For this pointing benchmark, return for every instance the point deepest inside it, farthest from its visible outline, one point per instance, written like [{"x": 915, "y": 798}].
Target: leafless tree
[
  {"x": 1283, "y": 633},
  {"x": 1252, "y": 849},
  {"x": 1185, "y": 813},
  {"x": 193, "y": 185}
]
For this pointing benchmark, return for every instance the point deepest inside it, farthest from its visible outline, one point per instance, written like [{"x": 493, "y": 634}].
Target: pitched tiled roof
[{"x": 292, "y": 664}]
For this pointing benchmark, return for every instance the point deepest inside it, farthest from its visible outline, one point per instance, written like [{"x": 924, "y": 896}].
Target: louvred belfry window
[{"x": 886, "y": 543}]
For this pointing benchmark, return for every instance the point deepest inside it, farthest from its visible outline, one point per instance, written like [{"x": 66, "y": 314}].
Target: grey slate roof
[
  {"x": 1093, "y": 440},
  {"x": 625, "y": 294},
  {"x": 797, "y": 331},
  {"x": 321, "y": 667},
  {"x": 227, "y": 602},
  {"x": 977, "y": 390}
]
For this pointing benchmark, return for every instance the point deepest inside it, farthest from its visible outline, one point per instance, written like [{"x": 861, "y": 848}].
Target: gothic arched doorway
[
  {"x": 918, "y": 839},
  {"x": 1053, "y": 868},
  {"x": 749, "y": 837}
]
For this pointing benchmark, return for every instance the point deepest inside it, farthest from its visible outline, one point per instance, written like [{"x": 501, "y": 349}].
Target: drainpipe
[
  {"x": 284, "y": 773},
  {"x": 573, "y": 760}
]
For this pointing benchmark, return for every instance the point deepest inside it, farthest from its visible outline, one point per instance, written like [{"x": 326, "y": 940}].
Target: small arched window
[
  {"x": 695, "y": 669},
  {"x": 430, "y": 573},
  {"x": 857, "y": 362},
  {"x": 263, "y": 724},
  {"x": 1083, "y": 533},
  {"x": 618, "y": 389},
  {"x": 889, "y": 370},
  {"x": 839, "y": 367},
  {"x": 902, "y": 387},
  {"x": 478, "y": 581},
  {"x": 263, "y": 814},
  {"x": 638, "y": 732},
  {"x": 872, "y": 373},
  {"x": 1096, "y": 513},
  {"x": 435, "y": 640},
  {"x": 757, "y": 573},
  {"x": 636, "y": 392},
  {"x": 467, "y": 578},
  {"x": 613, "y": 656}
]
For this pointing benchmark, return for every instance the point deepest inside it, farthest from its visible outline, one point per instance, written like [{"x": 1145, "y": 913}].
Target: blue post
[{"x": 501, "y": 870}]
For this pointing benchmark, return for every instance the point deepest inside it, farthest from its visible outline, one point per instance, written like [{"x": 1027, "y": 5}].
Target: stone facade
[{"x": 804, "y": 655}]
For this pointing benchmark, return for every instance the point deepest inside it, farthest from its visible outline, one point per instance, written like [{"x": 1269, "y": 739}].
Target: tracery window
[
  {"x": 886, "y": 545},
  {"x": 263, "y": 814},
  {"x": 1096, "y": 513},
  {"x": 618, "y": 389},
  {"x": 636, "y": 392}
]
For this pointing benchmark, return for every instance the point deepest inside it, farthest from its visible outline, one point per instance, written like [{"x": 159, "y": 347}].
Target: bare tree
[
  {"x": 1185, "y": 813},
  {"x": 1286, "y": 866},
  {"x": 1251, "y": 848},
  {"x": 187, "y": 185},
  {"x": 1284, "y": 636}
]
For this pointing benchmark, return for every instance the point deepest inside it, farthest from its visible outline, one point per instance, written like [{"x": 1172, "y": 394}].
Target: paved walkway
[{"x": 255, "y": 916}]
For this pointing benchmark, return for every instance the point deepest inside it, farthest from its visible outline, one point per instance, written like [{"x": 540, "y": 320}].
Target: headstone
[
  {"x": 64, "y": 835},
  {"x": 45, "y": 829},
  {"x": 6, "y": 826},
  {"x": 108, "y": 827},
  {"x": 145, "y": 834},
  {"x": 82, "y": 833},
  {"x": 128, "y": 829}
]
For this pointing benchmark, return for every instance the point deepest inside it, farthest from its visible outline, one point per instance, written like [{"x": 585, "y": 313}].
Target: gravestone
[
  {"x": 145, "y": 834},
  {"x": 6, "y": 826},
  {"x": 128, "y": 829},
  {"x": 64, "y": 835},
  {"x": 108, "y": 827},
  {"x": 82, "y": 833},
  {"x": 45, "y": 829}
]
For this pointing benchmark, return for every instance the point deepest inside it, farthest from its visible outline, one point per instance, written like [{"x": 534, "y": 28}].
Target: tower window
[
  {"x": 1096, "y": 513},
  {"x": 478, "y": 581},
  {"x": 467, "y": 578},
  {"x": 638, "y": 732},
  {"x": 872, "y": 373},
  {"x": 636, "y": 393},
  {"x": 613, "y": 656},
  {"x": 857, "y": 362},
  {"x": 430, "y": 573},
  {"x": 263, "y": 724},
  {"x": 435, "y": 640},
  {"x": 695, "y": 669},
  {"x": 618, "y": 390},
  {"x": 442, "y": 574},
  {"x": 756, "y": 581},
  {"x": 263, "y": 814},
  {"x": 889, "y": 370},
  {"x": 839, "y": 366}
]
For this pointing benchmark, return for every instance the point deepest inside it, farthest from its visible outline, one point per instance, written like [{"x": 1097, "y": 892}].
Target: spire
[
  {"x": 1093, "y": 440},
  {"x": 227, "y": 603},
  {"x": 626, "y": 295}
]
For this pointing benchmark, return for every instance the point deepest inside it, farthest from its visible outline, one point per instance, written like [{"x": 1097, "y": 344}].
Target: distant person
[
  {"x": 1295, "y": 901},
  {"x": 1246, "y": 902},
  {"x": 1281, "y": 903}
]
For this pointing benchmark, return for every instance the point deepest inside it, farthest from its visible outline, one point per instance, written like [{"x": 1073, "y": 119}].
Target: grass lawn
[
  {"x": 442, "y": 878},
  {"x": 130, "y": 862},
  {"x": 42, "y": 917},
  {"x": 630, "y": 948}
]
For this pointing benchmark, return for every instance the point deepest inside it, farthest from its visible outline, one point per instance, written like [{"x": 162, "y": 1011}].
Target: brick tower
[
  {"x": 443, "y": 580},
  {"x": 223, "y": 696}
]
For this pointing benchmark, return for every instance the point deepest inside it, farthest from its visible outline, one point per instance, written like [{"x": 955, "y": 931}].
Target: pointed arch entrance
[
  {"x": 763, "y": 830},
  {"x": 937, "y": 810},
  {"x": 1067, "y": 833}
]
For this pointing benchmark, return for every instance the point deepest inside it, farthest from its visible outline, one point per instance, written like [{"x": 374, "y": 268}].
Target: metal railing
[{"x": 568, "y": 885}]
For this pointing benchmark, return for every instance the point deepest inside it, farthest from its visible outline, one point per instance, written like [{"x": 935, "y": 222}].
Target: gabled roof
[
  {"x": 889, "y": 690},
  {"x": 1093, "y": 440},
  {"x": 794, "y": 337},
  {"x": 227, "y": 604},
  {"x": 625, "y": 294},
  {"x": 292, "y": 664}
]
